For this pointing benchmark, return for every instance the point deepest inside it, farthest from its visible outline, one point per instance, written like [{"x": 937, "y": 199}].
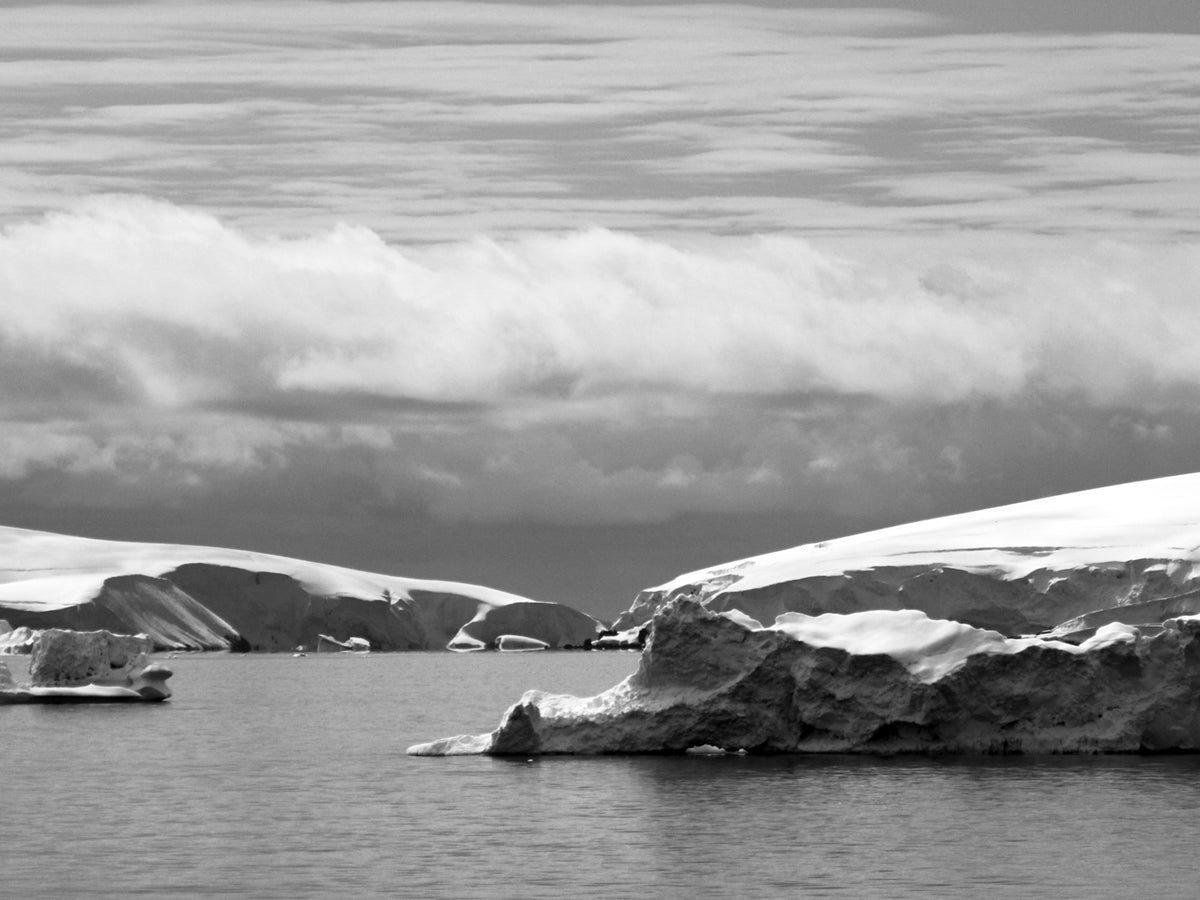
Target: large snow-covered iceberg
[
  {"x": 1067, "y": 564},
  {"x": 187, "y": 597},
  {"x": 881, "y": 681}
]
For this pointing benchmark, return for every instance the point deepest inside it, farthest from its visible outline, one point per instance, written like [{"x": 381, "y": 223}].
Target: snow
[
  {"x": 1156, "y": 519},
  {"x": 206, "y": 597},
  {"x": 927, "y": 648},
  {"x": 1025, "y": 567},
  {"x": 45, "y": 571},
  {"x": 874, "y": 682}
]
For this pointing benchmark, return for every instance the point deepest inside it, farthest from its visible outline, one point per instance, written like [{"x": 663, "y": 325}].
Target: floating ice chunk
[
  {"x": 462, "y": 745},
  {"x": 875, "y": 682},
  {"x": 352, "y": 644},
  {"x": 518, "y": 643},
  {"x": 17, "y": 640},
  {"x": 88, "y": 666}
]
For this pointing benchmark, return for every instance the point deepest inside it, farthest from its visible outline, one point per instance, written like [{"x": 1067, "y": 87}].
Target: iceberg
[
  {"x": 350, "y": 645},
  {"x": 1065, "y": 565},
  {"x": 14, "y": 641},
  {"x": 207, "y": 598},
  {"x": 515, "y": 643},
  {"x": 94, "y": 666},
  {"x": 871, "y": 682}
]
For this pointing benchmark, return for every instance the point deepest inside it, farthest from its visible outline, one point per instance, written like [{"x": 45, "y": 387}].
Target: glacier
[
  {"x": 871, "y": 682},
  {"x": 1063, "y": 565},
  {"x": 206, "y": 598}
]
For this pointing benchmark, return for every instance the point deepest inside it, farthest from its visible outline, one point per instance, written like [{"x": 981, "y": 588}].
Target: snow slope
[
  {"x": 1025, "y": 567},
  {"x": 881, "y": 681},
  {"x": 206, "y": 597}
]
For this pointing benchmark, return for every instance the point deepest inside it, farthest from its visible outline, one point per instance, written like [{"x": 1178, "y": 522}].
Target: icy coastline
[
  {"x": 878, "y": 682},
  {"x": 194, "y": 598},
  {"x": 1065, "y": 564}
]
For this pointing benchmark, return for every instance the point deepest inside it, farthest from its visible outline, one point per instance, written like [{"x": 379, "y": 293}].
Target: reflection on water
[{"x": 269, "y": 776}]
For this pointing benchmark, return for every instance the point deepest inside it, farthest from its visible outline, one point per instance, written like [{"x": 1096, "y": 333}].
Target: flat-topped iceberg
[
  {"x": 1066, "y": 564},
  {"x": 86, "y": 667},
  {"x": 186, "y": 597},
  {"x": 880, "y": 681}
]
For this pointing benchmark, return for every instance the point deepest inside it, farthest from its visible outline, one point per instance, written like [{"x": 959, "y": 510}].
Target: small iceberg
[
  {"x": 325, "y": 644},
  {"x": 87, "y": 667},
  {"x": 519, "y": 643}
]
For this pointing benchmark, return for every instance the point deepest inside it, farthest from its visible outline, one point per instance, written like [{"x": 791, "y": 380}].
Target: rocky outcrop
[{"x": 877, "y": 682}]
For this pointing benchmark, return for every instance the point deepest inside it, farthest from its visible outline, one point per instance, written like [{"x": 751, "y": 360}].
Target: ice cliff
[
  {"x": 1066, "y": 564},
  {"x": 881, "y": 681},
  {"x": 208, "y": 598}
]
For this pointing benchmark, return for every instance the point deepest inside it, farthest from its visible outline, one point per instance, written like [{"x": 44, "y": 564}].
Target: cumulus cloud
[
  {"x": 157, "y": 352},
  {"x": 172, "y": 308}
]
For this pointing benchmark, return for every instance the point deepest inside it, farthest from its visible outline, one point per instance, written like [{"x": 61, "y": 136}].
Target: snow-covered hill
[
  {"x": 205, "y": 597},
  {"x": 1069, "y": 563}
]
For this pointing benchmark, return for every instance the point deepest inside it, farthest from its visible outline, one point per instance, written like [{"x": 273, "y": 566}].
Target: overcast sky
[{"x": 567, "y": 300}]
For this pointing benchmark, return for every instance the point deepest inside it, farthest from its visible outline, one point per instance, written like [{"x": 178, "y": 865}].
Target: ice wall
[
  {"x": 186, "y": 597},
  {"x": 876, "y": 682}
]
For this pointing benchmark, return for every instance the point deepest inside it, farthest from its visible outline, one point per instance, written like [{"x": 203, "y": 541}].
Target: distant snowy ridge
[
  {"x": 1062, "y": 563},
  {"x": 206, "y": 597}
]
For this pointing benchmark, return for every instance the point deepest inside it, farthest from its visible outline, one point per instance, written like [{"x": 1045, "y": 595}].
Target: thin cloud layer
[
  {"x": 432, "y": 121},
  {"x": 156, "y": 354}
]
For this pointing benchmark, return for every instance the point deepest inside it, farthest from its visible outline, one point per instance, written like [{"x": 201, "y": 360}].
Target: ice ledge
[{"x": 875, "y": 682}]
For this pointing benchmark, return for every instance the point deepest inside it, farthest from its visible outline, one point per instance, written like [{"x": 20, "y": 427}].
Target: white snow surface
[
  {"x": 42, "y": 571},
  {"x": 928, "y": 648},
  {"x": 1159, "y": 518}
]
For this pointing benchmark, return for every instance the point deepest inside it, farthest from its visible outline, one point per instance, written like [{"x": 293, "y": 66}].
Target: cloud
[
  {"x": 593, "y": 267},
  {"x": 156, "y": 354},
  {"x": 432, "y": 121},
  {"x": 171, "y": 308}
]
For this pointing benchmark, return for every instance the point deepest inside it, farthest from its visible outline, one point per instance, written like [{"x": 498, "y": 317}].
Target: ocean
[{"x": 270, "y": 776}]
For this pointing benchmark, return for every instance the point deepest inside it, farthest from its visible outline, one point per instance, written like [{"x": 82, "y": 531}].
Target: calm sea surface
[{"x": 268, "y": 776}]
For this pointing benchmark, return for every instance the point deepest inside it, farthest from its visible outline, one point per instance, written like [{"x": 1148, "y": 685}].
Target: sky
[{"x": 569, "y": 299}]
